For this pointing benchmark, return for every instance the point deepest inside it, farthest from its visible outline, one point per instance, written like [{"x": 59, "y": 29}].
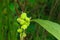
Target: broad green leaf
[{"x": 51, "y": 27}]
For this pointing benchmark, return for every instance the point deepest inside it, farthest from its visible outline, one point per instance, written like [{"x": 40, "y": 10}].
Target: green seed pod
[
  {"x": 23, "y": 15},
  {"x": 21, "y": 34},
  {"x": 27, "y": 23},
  {"x": 27, "y": 19},
  {"x": 24, "y": 34},
  {"x": 19, "y": 30},
  {"x": 21, "y": 21},
  {"x": 24, "y": 27}
]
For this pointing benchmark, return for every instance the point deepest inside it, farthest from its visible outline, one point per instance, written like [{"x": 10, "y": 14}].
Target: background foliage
[{"x": 42, "y": 9}]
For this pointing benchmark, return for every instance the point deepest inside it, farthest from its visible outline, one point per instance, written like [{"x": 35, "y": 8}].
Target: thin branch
[
  {"x": 17, "y": 11},
  {"x": 52, "y": 8},
  {"x": 21, "y": 5}
]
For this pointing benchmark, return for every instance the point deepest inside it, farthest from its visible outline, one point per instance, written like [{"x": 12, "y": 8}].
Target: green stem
[{"x": 21, "y": 38}]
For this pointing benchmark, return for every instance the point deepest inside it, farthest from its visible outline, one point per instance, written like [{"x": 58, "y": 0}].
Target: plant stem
[{"x": 21, "y": 38}]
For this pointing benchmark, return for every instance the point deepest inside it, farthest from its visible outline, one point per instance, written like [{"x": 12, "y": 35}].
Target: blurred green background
[{"x": 10, "y": 10}]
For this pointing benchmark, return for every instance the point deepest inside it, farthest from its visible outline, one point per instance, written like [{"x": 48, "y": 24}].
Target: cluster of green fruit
[{"x": 24, "y": 21}]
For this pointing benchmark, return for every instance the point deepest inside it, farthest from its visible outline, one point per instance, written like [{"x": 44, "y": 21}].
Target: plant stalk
[{"x": 21, "y": 38}]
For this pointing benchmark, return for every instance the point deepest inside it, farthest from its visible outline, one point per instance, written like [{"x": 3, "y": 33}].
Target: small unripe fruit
[
  {"x": 24, "y": 27},
  {"x": 24, "y": 34},
  {"x": 21, "y": 34},
  {"x": 27, "y": 19},
  {"x": 21, "y": 21},
  {"x": 23, "y": 15},
  {"x": 19, "y": 30},
  {"x": 24, "y": 21}
]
